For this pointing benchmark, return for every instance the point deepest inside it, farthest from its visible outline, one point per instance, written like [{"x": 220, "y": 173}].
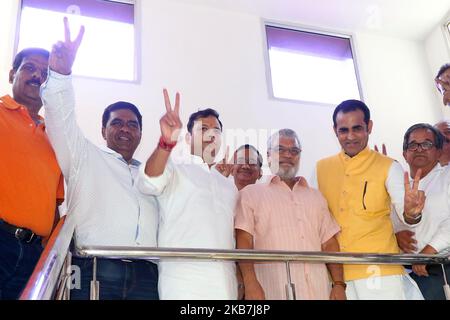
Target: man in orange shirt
[{"x": 31, "y": 184}]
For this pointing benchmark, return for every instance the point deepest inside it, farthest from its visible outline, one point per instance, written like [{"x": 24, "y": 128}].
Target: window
[
  {"x": 108, "y": 47},
  {"x": 310, "y": 66}
]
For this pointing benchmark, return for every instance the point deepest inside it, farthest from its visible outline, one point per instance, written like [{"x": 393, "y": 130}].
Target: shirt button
[
  {"x": 31, "y": 124},
  {"x": 341, "y": 209}
]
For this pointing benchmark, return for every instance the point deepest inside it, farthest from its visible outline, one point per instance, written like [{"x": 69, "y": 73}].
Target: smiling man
[
  {"x": 31, "y": 184},
  {"x": 196, "y": 206},
  {"x": 101, "y": 194},
  {"x": 285, "y": 214},
  {"x": 246, "y": 168},
  {"x": 360, "y": 185}
]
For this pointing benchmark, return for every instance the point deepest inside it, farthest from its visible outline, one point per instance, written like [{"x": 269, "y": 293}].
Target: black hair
[
  {"x": 352, "y": 105},
  {"x": 119, "y": 106},
  {"x": 249, "y": 146},
  {"x": 202, "y": 114},
  {"x": 438, "y": 137},
  {"x": 28, "y": 52},
  {"x": 442, "y": 69}
]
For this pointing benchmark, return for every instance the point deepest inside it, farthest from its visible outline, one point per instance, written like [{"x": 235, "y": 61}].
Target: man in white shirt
[
  {"x": 101, "y": 197},
  {"x": 422, "y": 147},
  {"x": 196, "y": 206}
]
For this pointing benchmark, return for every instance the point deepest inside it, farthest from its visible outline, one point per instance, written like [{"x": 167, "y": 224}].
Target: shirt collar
[
  {"x": 435, "y": 169},
  {"x": 133, "y": 162},
  {"x": 274, "y": 179},
  {"x": 11, "y": 104},
  {"x": 361, "y": 155}
]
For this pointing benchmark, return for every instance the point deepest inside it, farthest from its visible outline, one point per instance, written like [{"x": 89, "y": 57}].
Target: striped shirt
[{"x": 279, "y": 218}]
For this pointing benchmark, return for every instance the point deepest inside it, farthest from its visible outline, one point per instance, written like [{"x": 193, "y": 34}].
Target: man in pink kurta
[{"x": 285, "y": 214}]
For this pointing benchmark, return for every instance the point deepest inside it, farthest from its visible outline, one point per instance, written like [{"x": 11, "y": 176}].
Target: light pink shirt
[{"x": 279, "y": 218}]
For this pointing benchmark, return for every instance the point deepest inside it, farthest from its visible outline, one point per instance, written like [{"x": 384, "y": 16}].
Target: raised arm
[
  {"x": 170, "y": 125},
  {"x": 59, "y": 101}
]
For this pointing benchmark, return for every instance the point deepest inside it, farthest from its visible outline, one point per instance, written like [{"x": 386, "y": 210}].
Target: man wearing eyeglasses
[
  {"x": 444, "y": 129},
  {"x": 422, "y": 148},
  {"x": 285, "y": 214},
  {"x": 360, "y": 185},
  {"x": 442, "y": 81}
]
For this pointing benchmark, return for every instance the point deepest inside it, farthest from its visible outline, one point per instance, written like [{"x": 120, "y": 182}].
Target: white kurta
[
  {"x": 101, "y": 193},
  {"x": 196, "y": 211}
]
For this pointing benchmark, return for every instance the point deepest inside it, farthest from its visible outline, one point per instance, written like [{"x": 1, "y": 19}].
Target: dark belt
[{"x": 21, "y": 234}]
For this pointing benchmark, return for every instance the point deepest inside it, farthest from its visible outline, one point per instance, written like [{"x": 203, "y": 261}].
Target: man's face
[
  {"x": 445, "y": 78},
  {"x": 284, "y": 157},
  {"x": 352, "y": 132},
  {"x": 27, "y": 79},
  {"x": 443, "y": 85},
  {"x": 444, "y": 128},
  {"x": 421, "y": 158},
  {"x": 122, "y": 132},
  {"x": 206, "y": 138},
  {"x": 246, "y": 169}
]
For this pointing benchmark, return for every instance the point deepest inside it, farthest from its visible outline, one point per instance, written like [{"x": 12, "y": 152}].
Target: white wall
[{"x": 216, "y": 59}]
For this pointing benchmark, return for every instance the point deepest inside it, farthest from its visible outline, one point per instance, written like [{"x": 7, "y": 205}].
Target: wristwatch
[{"x": 339, "y": 283}]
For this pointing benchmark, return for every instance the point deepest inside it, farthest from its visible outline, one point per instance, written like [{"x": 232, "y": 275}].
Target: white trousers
[{"x": 397, "y": 287}]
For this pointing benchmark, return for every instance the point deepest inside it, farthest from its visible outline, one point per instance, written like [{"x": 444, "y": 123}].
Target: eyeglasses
[
  {"x": 252, "y": 163},
  {"x": 293, "y": 151},
  {"x": 414, "y": 146}
]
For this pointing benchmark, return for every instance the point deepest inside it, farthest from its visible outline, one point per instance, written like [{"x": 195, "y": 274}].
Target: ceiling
[{"x": 413, "y": 19}]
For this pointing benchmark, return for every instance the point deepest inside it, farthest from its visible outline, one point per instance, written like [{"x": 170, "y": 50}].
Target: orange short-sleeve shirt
[{"x": 30, "y": 179}]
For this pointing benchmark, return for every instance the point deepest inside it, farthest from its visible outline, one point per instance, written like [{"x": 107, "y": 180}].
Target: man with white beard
[{"x": 285, "y": 214}]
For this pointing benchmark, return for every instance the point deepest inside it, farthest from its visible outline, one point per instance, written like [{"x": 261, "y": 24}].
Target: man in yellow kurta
[{"x": 360, "y": 185}]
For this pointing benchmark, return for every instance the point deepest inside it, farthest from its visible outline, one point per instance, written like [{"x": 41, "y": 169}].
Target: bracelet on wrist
[
  {"x": 166, "y": 146},
  {"x": 416, "y": 218}
]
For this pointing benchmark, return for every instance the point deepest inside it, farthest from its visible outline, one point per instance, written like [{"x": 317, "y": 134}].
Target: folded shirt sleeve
[{"x": 154, "y": 186}]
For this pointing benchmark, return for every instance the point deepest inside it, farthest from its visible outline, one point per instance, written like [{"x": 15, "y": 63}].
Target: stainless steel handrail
[
  {"x": 44, "y": 279},
  {"x": 258, "y": 255}
]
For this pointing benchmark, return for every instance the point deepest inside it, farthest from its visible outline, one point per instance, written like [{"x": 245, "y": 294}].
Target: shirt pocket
[{"x": 372, "y": 199}]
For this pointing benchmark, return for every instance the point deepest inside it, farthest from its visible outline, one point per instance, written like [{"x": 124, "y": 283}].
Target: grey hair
[{"x": 288, "y": 133}]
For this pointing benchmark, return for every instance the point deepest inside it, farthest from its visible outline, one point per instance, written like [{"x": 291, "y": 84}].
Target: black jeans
[
  {"x": 432, "y": 286},
  {"x": 17, "y": 262},
  {"x": 118, "y": 279}
]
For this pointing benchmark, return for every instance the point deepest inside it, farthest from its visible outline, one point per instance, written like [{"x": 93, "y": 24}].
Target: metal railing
[
  {"x": 52, "y": 273},
  {"x": 46, "y": 275},
  {"x": 259, "y": 256}
]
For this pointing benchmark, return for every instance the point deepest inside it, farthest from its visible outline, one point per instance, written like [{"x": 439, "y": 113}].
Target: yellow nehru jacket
[{"x": 358, "y": 199}]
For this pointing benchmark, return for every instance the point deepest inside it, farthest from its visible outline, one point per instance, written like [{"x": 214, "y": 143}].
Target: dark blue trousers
[
  {"x": 432, "y": 286},
  {"x": 17, "y": 262},
  {"x": 118, "y": 279}
]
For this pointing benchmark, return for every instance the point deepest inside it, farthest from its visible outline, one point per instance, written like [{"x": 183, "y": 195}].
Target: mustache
[{"x": 34, "y": 81}]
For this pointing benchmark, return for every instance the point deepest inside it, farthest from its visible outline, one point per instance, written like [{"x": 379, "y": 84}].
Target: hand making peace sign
[
  {"x": 414, "y": 198},
  {"x": 226, "y": 165},
  {"x": 63, "y": 53},
  {"x": 170, "y": 123}
]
